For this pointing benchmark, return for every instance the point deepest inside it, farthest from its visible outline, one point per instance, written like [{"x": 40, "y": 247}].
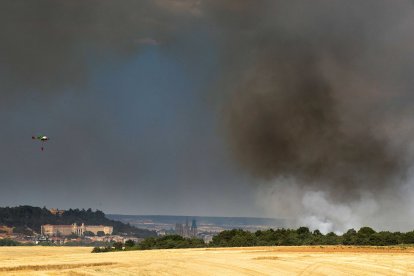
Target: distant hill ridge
[
  {"x": 25, "y": 218},
  {"x": 232, "y": 222}
]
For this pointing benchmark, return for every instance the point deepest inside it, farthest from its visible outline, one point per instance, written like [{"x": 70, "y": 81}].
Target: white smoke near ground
[
  {"x": 285, "y": 198},
  {"x": 323, "y": 214}
]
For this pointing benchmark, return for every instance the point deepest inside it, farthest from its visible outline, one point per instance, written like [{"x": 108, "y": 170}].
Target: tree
[
  {"x": 363, "y": 236},
  {"x": 8, "y": 242},
  {"x": 72, "y": 236},
  {"x": 303, "y": 231},
  {"x": 100, "y": 233},
  {"x": 349, "y": 238},
  {"x": 235, "y": 237},
  {"x": 408, "y": 237},
  {"x": 118, "y": 245},
  {"x": 317, "y": 233},
  {"x": 367, "y": 231},
  {"x": 331, "y": 238},
  {"x": 385, "y": 238},
  {"x": 129, "y": 243},
  {"x": 88, "y": 233}
]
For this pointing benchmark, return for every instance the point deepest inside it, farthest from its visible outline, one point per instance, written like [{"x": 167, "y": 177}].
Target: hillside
[{"x": 24, "y": 218}]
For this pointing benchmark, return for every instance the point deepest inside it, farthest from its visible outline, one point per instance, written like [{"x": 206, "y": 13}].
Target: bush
[
  {"x": 102, "y": 249},
  {"x": 234, "y": 238},
  {"x": 8, "y": 242},
  {"x": 129, "y": 243},
  {"x": 88, "y": 233},
  {"x": 170, "y": 241},
  {"x": 118, "y": 246}
]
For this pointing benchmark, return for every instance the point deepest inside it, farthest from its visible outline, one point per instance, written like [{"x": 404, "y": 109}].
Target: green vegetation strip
[{"x": 279, "y": 237}]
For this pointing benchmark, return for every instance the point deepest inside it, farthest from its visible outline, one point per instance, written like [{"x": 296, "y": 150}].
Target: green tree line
[
  {"x": 271, "y": 237},
  {"x": 303, "y": 236},
  {"x": 165, "y": 242}
]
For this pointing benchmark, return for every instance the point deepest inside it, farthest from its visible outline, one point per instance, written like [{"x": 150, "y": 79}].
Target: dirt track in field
[{"x": 300, "y": 260}]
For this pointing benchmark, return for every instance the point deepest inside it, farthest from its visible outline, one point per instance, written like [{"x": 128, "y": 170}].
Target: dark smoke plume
[{"x": 314, "y": 85}]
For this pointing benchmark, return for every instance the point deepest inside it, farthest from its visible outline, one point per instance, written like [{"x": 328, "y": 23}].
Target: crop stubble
[{"x": 298, "y": 260}]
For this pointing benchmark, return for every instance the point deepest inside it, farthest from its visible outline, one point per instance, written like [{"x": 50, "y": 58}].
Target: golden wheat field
[{"x": 301, "y": 260}]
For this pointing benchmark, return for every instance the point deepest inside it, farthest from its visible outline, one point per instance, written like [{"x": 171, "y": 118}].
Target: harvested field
[{"x": 300, "y": 260}]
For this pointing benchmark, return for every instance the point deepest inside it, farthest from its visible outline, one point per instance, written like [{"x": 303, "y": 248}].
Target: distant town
[
  {"x": 60, "y": 234},
  {"x": 114, "y": 228},
  {"x": 89, "y": 234},
  {"x": 201, "y": 226},
  {"x": 35, "y": 225}
]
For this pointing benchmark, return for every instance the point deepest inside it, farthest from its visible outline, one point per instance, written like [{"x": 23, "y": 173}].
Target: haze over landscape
[{"x": 298, "y": 110}]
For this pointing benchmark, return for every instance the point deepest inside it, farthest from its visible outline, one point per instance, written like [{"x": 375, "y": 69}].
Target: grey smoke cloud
[{"x": 317, "y": 82}]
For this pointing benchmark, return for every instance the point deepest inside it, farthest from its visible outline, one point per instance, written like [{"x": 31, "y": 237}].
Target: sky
[
  {"x": 298, "y": 109},
  {"x": 136, "y": 133},
  {"x": 142, "y": 141}
]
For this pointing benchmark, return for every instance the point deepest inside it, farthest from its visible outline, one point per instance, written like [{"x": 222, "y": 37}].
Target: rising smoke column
[
  {"x": 286, "y": 121},
  {"x": 315, "y": 91}
]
